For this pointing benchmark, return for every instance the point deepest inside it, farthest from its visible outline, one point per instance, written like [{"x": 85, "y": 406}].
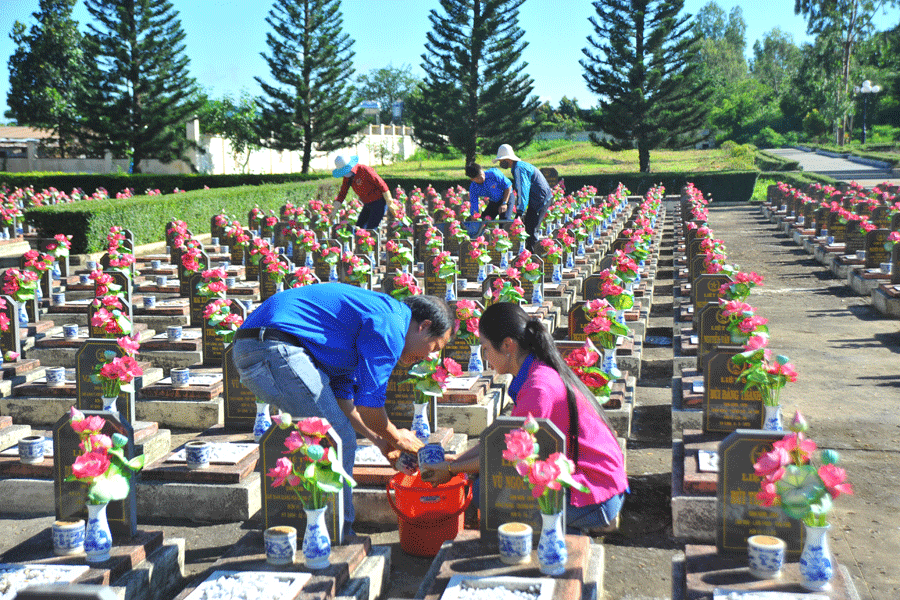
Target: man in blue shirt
[
  {"x": 532, "y": 190},
  {"x": 328, "y": 350},
  {"x": 491, "y": 183}
]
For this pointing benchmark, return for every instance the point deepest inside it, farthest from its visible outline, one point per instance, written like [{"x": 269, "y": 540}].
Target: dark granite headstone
[
  {"x": 726, "y": 407},
  {"x": 71, "y": 496},
  {"x": 280, "y": 505},
  {"x": 821, "y": 219},
  {"x": 738, "y": 512},
  {"x": 881, "y": 217},
  {"x": 124, "y": 281},
  {"x": 836, "y": 228},
  {"x": 874, "y": 247},
  {"x": 591, "y": 288},
  {"x": 854, "y": 239},
  {"x": 394, "y": 265},
  {"x": 213, "y": 346},
  {"x": 711, "y": 331},
  {"x": 505, "y": 496},
  {"x": 345, "y": 277},
  {"x": 89, "y": 394},
  {"x": 434, "y": 285},
  {"x": 696, "y": 266},
  {"x": 196, "y": 302},
  {"x": 895, "y": 222},
  {"x": 240, "y": 403},
  {"x": 184, "y": 278},
  {"x": 97, "y": 332},
  {"x": 387, "y": 283},
  {"x": 33, "y": 308},
  {"x": 62, "y": 261},
  {"x": 11, "y": 339},
  {"x": 468, "y": 266},
  {"x": 321, "y": 267},
  {"x": 267, "y": 285},
  {"x": 895, "y": 264},
  {"x": 705, "y": 289},
  {"x": 400, "y": 397},
  {"x": 578, "y": 319},
  {"x": 528, "y": 286}
]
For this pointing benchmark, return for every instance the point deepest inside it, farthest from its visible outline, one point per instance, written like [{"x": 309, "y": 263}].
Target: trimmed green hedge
[
  {"x": 141, "y": 182},
  {"x": 89, "y": 221},
  {"x": 724, "y": 186},
  {"x": 772, "y": 162},
  {"x": 798, "y": 179}
]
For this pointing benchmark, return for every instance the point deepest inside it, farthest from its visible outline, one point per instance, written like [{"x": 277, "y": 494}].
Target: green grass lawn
[{"x": 574, "y": 158}]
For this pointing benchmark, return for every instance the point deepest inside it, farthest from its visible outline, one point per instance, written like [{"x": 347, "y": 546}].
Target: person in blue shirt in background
[
  {"x": 532, "y": 191},
  {"x": 327, "y": 350},
  {"x": 492, "y": 184}
]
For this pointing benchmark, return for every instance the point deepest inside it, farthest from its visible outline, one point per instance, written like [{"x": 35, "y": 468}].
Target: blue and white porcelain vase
[
  {"x": 476, "y": 365},
  {"x": 620, "y": 316},
  {"x": 504, "y": 260},
  {"x": 281, "y": 545},
  {"x": 537, "y": 296},
  {"x": 580, "y": 251},
  {"x": 346, "y": 248},
  {"x": 450, "y": 296},
  {"x": 263, "y": 421},
  {"x": 420, "y": 426},
  {"x": 333, "y": 274},
  {"x": 816, "y": 565},
  {"x": 557, "y": 273},
  {"x": 279, "y": 287},
  {"x": 68, "y": 537},
  {"x": 316, "y": 543},
  {"x": 23, "y": 315},
  {"x": 55, "y": 272},
  {"x": 590, "y": 238},
  {"x": 109, "y": 403},
  {"x": 773, "y": 418},
  {"x": 97, "y": 537},
  {"x": 482, "y": 275},
  {"x": 552, "y": 553},
  {"x": 609, "y": 362},
  {"x": 570, "y": 260},
  {"x": 309, "y": 262}
]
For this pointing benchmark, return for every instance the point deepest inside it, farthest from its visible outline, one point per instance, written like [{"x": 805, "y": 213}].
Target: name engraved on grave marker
[{"x": 726, "y": 407}]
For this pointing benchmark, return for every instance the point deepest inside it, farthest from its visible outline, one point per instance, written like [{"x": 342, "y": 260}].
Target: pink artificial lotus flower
[
  {"x": 768, "y": 493},
  {"x": 751, "y": 324},
  {"x": 75, "y": 414},
  {"x": 315, "y": 426},
  {"x": 294, "y": 442},
  {"x": 283, "y": 469},
  {"x": 834, "y": 479},
  {"x": 90, "y": 465},
  {"x": 805, "y": 447},
  {"x": 97, "y": 442},
  {"x": 519, "y": 446},
  {"x": 755, "y": 342},
  {"x": 129, "y": 344},
  {"x": 92, "y": 423},
  {"x": 771, "y": 464},
  {"x": 453, "y": 367},
  {"x": 735, "y": 307},
  {"x": 544, "y": 474},
  {"x": 531, "y": 425}
]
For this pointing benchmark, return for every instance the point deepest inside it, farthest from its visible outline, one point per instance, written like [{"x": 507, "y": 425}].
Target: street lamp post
[{"x": 866, "y": 89}]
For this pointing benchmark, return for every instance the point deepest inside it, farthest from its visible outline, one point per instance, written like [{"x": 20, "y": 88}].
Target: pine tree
[
  {"x": 141, "y": 95},
  {"x": 311, "y": 59},
  {"x": 644, "y": 68},
  {"x": 476, "y": 94},
  {"x": 46, "y": 72}
]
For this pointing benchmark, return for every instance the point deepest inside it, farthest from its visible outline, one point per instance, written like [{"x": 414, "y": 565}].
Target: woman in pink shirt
[{"x": 545, "y": 387}]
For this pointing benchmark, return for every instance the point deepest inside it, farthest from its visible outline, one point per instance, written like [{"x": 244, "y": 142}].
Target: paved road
[{"x": 838, "y": 168}]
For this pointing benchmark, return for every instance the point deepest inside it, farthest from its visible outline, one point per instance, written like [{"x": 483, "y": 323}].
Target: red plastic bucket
[{"x": 428, "y": 516}]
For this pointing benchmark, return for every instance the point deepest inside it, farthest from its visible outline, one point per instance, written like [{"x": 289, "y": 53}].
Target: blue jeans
[
  {"x": 371, "y": 214},
  {"x": 285, "y": 376},
  {"x": 594, "y": 516}
]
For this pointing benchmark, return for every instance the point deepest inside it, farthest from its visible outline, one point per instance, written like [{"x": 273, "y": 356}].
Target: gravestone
[
  {"x": 387, "y": 283},
  {"x": 267, "y": 285},
  {"x": 240, "y": 403},
  {"x": 124, "y": 281},
  {"x": 70, "y": 496},
  {"x": 33, "y": 308},
  {"x": 409, "y": 245},
  {"x": 505, "y": 496},
  {"x": 213, "y": 346},
  {"x": 551, "y": 175},
  {"x": 835, "y": 228},
  {"x": 738, "y": 512},
  {"x": 98, "y": 332},
  {"x": 711, "y": 330},
  {"x": 11, "y": 339},
  {"x": 321, "y": 267},
  {"x": 578, "y": 320},
  {"x": 854, "y": 240},
  {"x": 606, "y": 264},
  {"x": 184, "y": 278},
  {"x": 895, "y": 222},
  {"x": 399, "y": 399},
  {"x": 62, "y": 261},
  {"x": 705, "y": 289},
  {"x": 468, "y": 266},
  {"x": 895, "y": 264},
  {"x": 697, "y": 267},
  {"x": 592, "y": 286},
  {"x": 528, "y": 286},
  {"x": 821, "y": 219},
  {"x": 345, "y": 277},
  {"x": 726, "y": 407},
  {"x": 434, "y": 285},
  {"x": 881, "y": 217},
  {"x": 458, "y": 349},
  {"x": 237, "y": 252},
  {"x": 874, "y": 247},
  {"x": 808, "y": 210},
  {"x": 196, "y": 302},
  {"x": 88, "y": 393},
  {"x": 280, "y": 505}
]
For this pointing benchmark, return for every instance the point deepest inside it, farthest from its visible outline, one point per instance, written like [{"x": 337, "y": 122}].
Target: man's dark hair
[
  {"x": 431, "y": 308},
  {"x": 472, "y": 170}
]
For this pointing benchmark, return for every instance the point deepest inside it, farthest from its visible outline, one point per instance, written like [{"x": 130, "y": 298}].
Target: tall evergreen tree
[
  {"x": 310, "y": 58},
  {"x": 141, "y": 95},
  {"x": 476, "y": 94},
  {"x": 46, "y": 72},
  {"x": 643, "y": 65}
]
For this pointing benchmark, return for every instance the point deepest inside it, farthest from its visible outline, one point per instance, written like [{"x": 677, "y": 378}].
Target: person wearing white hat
[
  {"x": 373, "y": 192},
  {"x": 532, "y": 191}
]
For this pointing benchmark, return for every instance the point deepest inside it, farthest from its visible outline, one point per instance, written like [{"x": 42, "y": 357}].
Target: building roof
[{"x": 23, "y": 134}]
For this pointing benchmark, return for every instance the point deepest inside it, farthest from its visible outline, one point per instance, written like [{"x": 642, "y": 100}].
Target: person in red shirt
[{"x": 371, "y": 189}]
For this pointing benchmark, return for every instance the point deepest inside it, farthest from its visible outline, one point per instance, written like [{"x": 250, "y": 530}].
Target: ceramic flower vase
[
  {"x": 620, "y": 316},
  {"x": 263, "y": 421},
  {"x": 816, "y": 566},
  {"x": 450, "y": 296},
  {"x": 97, "y": 537},
  {"x": 476, "y": 365},
  {"x": 537, "y": 297},
  {"x": 580, "y": 251},
  {"x": 504, "y": 260},
  {"x": 552, "y": 553},
  {"x": 109, "y": 403},
  {"x": 481, "y": 274},
  {"x": 570, "y": 261},
  {"x": 773, "y": 418},
  {"x": 420, "y": 426},
  {"x": 316, "y": 543},
  {"x": 590, "y": 238},
  {"x": 23, "y": 315},
  {"x": 279, "y": 287},
  {"x": 333, "y": 274},
  {"x": 309, "y": 262},
  {"x": 609, "y": 362},
  {"x": 629, "y": 287},
  {"x": 557, "y": 273}
]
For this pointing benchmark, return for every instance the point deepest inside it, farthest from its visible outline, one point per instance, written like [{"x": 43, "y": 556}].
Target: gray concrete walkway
[{"x": 839, "y": 168}]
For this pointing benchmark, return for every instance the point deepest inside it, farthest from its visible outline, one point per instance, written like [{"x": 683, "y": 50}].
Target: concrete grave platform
[
  {"x": 866, "y": 281},
  {"x": 197, "y": 414},
  {"x": 472, "y": 419},
  {"x": 685, "y": 416},
  {"x": 887, "y": 300},
  {"x": 55, "y": 351},
  {"x": 693, "y": 516},
  {"x": 844, "y": 264}
]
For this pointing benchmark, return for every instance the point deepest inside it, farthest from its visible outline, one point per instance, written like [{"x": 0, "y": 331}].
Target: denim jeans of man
[
  {"x": 285, "y": 376},
  {"x": 371, "y": 214}
]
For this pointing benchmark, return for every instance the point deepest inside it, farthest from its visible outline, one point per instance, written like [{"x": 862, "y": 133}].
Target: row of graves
[
  {"x": 76, "y": 324},
  {"x": 722, "y": 427},
  {"x": 850, "y": 230}
]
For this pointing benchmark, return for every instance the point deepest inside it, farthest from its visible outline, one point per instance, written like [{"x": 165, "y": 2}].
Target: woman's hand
[{"x": 436, "y": 473}]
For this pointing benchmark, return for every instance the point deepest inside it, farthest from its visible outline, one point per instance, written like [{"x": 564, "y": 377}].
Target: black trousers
[
  {"x": 371, "y": 214},
  {"x": 534, "y": 214},
  {"x": 491, "y": 210}
]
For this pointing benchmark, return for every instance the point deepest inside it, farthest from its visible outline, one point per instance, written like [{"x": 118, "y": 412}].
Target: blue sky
[{"x": 225, "y": 37}]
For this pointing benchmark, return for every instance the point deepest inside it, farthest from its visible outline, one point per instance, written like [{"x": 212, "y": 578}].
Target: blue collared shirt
[
  {"x": 495, "y": 183},
  {"x": 519, "y": 380},
  {"x": 355, "y": 336},
  {"x": 531, "y": 186}
]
